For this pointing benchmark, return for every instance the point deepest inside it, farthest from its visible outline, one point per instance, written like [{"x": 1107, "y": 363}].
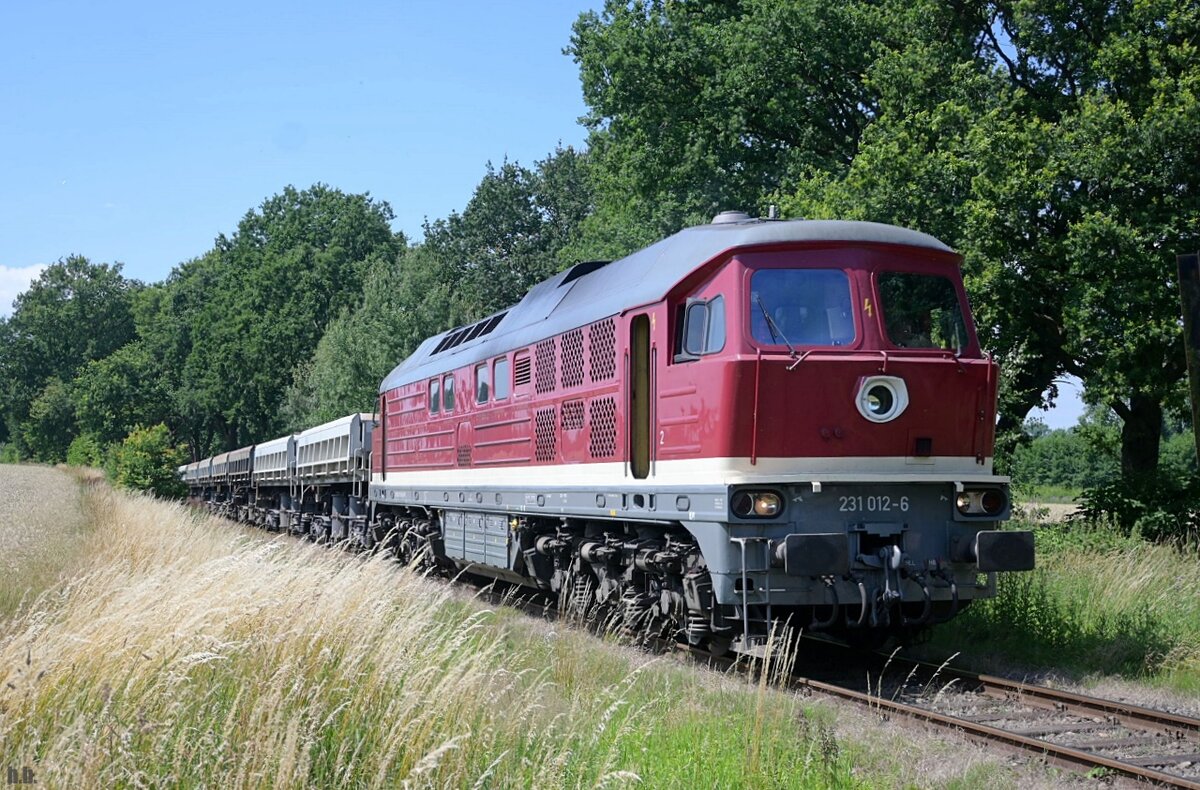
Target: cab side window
[
  {"x": 448, "y": 393},
  {"x": 702, "y": 330}
]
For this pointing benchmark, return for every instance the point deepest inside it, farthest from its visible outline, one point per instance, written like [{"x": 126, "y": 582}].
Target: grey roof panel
[{"x": 645, "y": 277}]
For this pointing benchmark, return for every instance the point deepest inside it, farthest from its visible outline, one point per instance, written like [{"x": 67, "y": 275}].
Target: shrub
[
  {"x": 147, "y": 460},
  {"x": 85, "y": 450},
  {"x": 9, "y": 454},
  {"x": 1159, "y": 506}
]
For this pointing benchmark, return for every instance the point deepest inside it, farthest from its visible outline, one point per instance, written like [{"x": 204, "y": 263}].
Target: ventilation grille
[
  {"x": 544, "y": 435},
  {"x": 602, "y": 350},
  {"x": 544, "y": 373},
  {"x": 602, "y": 441},
  {"x": 464, "y": 455},
  {"x": 522, "y": 371},
  {"x": 572, "y": 415},
  {"x": 461, "y": 335},
  {"x": 572, "y": 358}
]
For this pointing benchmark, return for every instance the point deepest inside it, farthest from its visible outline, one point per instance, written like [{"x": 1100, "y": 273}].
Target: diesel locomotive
[{"x": 750, "y": 422}]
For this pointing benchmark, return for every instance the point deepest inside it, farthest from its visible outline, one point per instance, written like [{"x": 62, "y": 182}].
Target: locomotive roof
[{"x": 590, "y": 291}]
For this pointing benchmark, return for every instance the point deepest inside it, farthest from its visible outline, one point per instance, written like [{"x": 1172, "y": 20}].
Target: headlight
[
  {"x": 882, "y": 398},
  {"x": 992, "y": 501},
  {"x": 757, "y": 504},
  {"x": 985, "y": 502},
  {"x": 767, "y": 505}
]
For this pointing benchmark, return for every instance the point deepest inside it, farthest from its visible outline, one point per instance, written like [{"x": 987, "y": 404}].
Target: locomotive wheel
[{"x": 411, "y": 548}]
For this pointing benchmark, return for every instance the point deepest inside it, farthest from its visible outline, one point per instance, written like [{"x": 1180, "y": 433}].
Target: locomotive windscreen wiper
[{"x": 773, "y": 328}]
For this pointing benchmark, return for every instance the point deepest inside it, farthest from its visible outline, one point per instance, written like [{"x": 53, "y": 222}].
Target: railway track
[
  {"x": 1064, "y": 728},
  {"x": 1070, "y": 730},
  {"x": 1074, "y": 731}
]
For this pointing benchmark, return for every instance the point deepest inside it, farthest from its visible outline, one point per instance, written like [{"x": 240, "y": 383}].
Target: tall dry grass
[
  {"x": 188, "y": 651},
  {"x": 42, "y": 530}
]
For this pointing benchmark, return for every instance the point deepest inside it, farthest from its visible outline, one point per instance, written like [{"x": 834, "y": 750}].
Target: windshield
[
  {"x": 922, "y": 311},
  {"x": 801, "y": 307}
]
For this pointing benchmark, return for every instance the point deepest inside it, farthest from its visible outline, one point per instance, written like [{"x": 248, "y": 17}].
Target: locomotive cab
[{"x": 851, "y": 411}]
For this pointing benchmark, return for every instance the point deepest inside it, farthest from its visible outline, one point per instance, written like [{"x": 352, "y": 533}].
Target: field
[
  {"x": 183, "y": 650},
  {"x": 37, "y": 543}
]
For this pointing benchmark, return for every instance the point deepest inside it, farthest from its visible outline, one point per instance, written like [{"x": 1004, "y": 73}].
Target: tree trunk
[{"x": 1141, "y": 432}]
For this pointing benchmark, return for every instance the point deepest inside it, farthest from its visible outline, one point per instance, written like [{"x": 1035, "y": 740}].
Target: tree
[
  {"x": 147, "y": 460},
  {"x": 698, "y": 107},
  {"x": 124, "y": 389},
  {"x": 48, "y": 428},
  {"x": 511, "y": 233},
  {"x": 258, "y": 303},
  {"x": 520, "y": 226},
  {"x": 404, "y": 302},
  {"x": 75, "y": 312},
  {"x": 1061, "y": 156},
  {"x": 85, "y": 450}
]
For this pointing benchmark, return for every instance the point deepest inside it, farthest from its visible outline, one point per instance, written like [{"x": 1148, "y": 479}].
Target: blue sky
[{"x": 136, "y": 132}]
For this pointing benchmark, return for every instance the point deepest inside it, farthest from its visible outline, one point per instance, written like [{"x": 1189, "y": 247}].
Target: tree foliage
[
  {"x": 520, "y": 226},
  {"x": 124, "y": 389},
  {"x": 74, "y": 313},
  {"x": 85, "y": 450},
  {"x": 404, "y": 302},
  {"x": 147, "y": 460},
  {"x": 514, "y": 232},
  {"x": 1059, "y": 153},
  {"x": 702, "y": 106},
  {"x": 270, "y": 290}
]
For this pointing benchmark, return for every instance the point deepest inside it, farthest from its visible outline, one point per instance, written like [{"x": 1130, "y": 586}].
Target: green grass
[
  {"x": 1098, "y": 603},
  {"x": 1047, "y": 494}
]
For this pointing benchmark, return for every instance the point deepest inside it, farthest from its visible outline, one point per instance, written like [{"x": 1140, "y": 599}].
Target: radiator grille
[{"x": 602, "y": 419}]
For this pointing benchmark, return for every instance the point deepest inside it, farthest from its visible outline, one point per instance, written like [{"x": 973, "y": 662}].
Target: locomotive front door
[{"x": 640, "y": 396}]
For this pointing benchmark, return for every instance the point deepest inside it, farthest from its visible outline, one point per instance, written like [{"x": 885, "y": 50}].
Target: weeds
[{"x": 1098, "y": 602}]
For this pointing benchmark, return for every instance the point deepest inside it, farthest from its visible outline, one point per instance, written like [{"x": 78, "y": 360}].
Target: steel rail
[
  {"x": 1070, "y": 701},
  {"x": 1061, "y": 755}
]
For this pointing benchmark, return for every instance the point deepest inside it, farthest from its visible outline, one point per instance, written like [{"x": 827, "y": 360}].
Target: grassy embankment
[
  {"x": 183, "y": 650},
  {"x": 1098, "y": 603}
]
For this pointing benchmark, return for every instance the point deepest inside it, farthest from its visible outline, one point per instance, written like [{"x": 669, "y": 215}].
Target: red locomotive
[{"x": 749, "y": 422}]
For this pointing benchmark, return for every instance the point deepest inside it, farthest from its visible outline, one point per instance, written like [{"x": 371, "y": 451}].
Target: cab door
[{"x": 641, "y": 396}]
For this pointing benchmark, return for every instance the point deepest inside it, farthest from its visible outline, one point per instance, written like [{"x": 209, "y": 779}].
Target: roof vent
[{"x": 728, "y": 217}]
